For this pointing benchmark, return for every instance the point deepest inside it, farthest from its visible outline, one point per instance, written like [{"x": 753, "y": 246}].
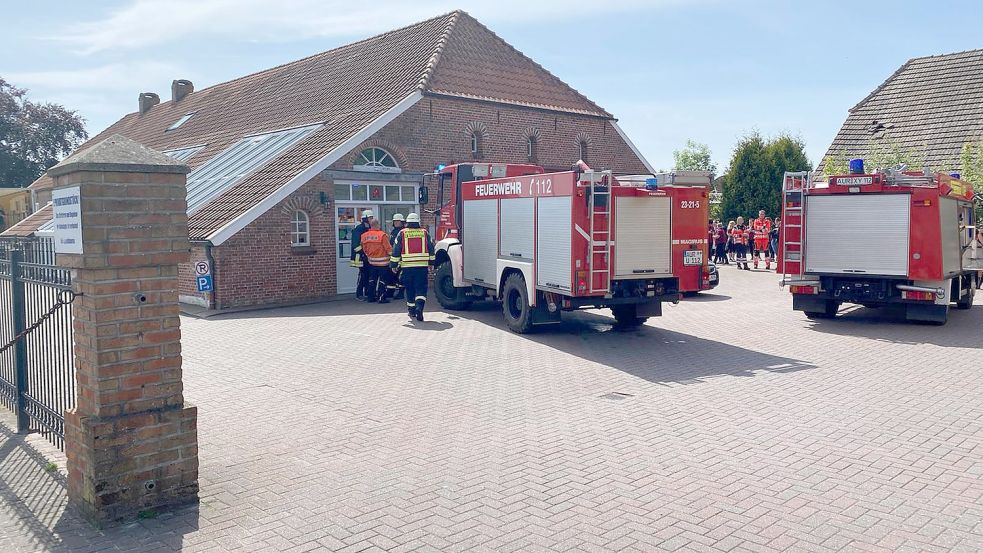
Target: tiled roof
[
  {"x": 346, "y": 89},
  {"x": 28, "y": 226},
  {"x": 930, "y": 106}
]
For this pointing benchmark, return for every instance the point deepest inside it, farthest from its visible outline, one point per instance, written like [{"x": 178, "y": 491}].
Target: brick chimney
[
  {"x": 147, "y": 100},
  {"x": 181, "y": 88}
]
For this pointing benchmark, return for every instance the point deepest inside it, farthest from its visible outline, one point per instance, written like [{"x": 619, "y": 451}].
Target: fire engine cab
[
  {"x": 891, "y": 237},
  {"x": 543, "y": 243}
]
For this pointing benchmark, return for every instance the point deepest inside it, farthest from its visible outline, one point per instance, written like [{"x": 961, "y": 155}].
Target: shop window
[{"x": 300, "y": 233}]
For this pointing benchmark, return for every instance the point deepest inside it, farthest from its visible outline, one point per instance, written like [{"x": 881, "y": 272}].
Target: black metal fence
[{"x": 37, "y": 374}]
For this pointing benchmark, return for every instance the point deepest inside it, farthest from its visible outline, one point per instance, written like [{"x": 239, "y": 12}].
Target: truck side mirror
[{"x": 423, "y": 195}]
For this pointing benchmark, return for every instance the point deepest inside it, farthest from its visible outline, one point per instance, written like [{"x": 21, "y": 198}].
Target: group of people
[
  {"x": 735, "y": 242},
  {"x": 392, "y": 264}
]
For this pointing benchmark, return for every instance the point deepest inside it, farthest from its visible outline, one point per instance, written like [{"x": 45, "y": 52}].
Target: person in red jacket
[
  {"x": 762, "y": 231},
  {"x": 740, "y": 235},
  {"x": 376, "y": 249}
]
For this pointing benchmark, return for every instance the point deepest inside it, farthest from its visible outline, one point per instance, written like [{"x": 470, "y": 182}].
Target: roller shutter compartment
[
  {"x": 554, "y": 243},
  {"x": 643, "y": 236},
  {"x": 480, "y": 240},
  {"x": 858, "y": 234}
]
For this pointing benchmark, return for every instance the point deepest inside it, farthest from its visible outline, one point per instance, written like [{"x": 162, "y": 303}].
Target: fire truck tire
[
  {"x": 448, "y": 296},
  {"x": 515, "y": 304},
  {"x": 828, "y": 313},
  {"x": 625, "y": 316}
]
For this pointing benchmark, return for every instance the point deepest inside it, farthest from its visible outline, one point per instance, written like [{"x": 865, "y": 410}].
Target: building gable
[{"x": 929, "y": 107}]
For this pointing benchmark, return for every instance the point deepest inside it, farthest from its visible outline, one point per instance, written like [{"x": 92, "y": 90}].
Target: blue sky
[{"x": 670, "y": 70}]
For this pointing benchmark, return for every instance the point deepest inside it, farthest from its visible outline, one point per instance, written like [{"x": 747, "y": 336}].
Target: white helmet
[
  {"x": 398, "y": 217},
  {"x": 412, "y": 218},
  {"x": 367, "y": 213}
]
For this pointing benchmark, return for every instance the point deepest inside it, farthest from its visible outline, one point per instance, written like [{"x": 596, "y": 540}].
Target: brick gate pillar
[{"x": 131, "y": 441}]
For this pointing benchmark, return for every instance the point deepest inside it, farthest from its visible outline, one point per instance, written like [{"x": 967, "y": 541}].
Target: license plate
[{"x": 693, "y": 257}]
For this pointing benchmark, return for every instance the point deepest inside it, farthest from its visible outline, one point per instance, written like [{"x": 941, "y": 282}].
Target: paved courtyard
[{"x": 730, "y": 424}]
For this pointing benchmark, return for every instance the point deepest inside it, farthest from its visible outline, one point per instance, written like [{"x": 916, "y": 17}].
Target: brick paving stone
[{"x": 341, "y": 427}]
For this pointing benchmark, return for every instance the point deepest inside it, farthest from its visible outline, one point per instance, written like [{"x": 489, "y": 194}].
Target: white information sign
[{"x": 67, "y": 220}]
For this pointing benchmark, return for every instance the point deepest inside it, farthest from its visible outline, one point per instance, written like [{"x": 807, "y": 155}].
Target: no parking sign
[{"x": 203, "y": 277}]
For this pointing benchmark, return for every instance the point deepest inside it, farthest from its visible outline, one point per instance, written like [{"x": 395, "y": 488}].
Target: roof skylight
[
  {"x": 184, "y": 154},
  {"x": 239, "y": 160},
  {"x": 184, "y": 119}
]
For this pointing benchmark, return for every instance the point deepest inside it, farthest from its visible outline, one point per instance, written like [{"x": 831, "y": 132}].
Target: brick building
[{"x": 283, "y": 159}]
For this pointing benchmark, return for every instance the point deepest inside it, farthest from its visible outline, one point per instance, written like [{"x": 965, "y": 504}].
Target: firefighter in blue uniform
[
  {"x": 412, "y": 256},
  {"x": 357, "y": 259}
]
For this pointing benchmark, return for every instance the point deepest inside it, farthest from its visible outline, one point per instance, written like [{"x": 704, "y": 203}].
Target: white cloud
[
  {"x": 109, "y": 77},
  {"x": 145, "y": 23}
]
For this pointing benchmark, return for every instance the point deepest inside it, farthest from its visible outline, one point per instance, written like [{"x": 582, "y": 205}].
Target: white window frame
[
  {"x": 582, "y": 150},
  {"x": 531, "y": 148},
  {"x": 475, "y": 145},
  {"x": 296, "y": 234},
  {"x": 376, "y": 164}
]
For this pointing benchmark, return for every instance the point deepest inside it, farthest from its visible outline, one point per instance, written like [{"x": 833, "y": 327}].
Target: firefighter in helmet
[
  {"x": 412, "y": 256},
  {"x": 377, "y": 249},
  {"x": 398, "y": 221},
  {"x": 762, "y": 234},
  {"x": 358, "y": 257}
]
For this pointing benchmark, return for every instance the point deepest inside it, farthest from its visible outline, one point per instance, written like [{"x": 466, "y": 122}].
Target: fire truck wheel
[
  {"x": 625, "y": 316},
  {"x": 828, "y": 313},
  {"x": 515, "y": 304},
  {"x": 448, "y": 296}
]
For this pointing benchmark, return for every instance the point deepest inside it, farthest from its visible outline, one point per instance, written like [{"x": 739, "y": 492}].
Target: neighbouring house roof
[
  {"x": 33, "y": 222},
  {"x": 340, "y": 97},
  {"x": 930, "y": 106}
]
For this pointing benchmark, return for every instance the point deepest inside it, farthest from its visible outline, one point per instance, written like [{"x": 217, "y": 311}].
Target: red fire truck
[
  {"x": 690, "y": 194},
  {"x": 543, "y": 243},
  {"x": 890, "y": 237}
]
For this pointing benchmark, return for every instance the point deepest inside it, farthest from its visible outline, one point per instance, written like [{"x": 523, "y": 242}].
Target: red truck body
[
  {"x": 573, "y": 239},
  {"x": 875, "y": 239}
]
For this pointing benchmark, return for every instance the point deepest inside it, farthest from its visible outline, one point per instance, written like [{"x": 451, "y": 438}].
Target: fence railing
[{"x": 37, "y": 374}]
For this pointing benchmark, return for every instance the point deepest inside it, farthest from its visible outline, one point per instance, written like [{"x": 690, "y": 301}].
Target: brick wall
[
  {"x": 435, "y": 131},
  {"x": 258, "y": 266}
]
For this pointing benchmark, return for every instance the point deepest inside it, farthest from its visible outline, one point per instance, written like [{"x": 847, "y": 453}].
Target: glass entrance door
[{"x": 348, "y": 217}]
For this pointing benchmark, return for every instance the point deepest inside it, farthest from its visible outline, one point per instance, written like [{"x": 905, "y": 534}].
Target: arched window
[
  {"x": 583, "y": 151},
  {"x": 300, "y": 231},
  {"x": 475, "y": 145},
  {"x": 376, "y": 159},
  {"x": 531, "y": 149}
]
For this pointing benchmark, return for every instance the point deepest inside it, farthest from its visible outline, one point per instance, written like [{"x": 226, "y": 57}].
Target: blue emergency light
[
  {"x": 651, "y": 184},
  {"x": 856, "y": 166},
  {"x": 440, "y": 167},
  {"x": 954, "y": 175}
]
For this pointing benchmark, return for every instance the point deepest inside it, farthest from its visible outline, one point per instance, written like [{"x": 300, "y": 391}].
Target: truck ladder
[
  {"x": 600, "y": 238},
  {"x": 793, "y": 223}
]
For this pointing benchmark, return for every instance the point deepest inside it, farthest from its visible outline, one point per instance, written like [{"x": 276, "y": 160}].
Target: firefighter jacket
[
  {"x": 376, "y": 247},
  {"x": 413, "y": 248},
  {"x": 762, "y": 228},
  {"x": 393, "y": 234},
  {"x": 740, "y": 235},
  {"x": 356, "y": 256}
]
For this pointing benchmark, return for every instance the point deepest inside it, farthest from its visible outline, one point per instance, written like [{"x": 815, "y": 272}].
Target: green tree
[
  {"x": 33, "y": 136},
  {"x": 694, "y": 157},
  {"x": 971, "y": 169},
  {"x": 754, "y": 178}
]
